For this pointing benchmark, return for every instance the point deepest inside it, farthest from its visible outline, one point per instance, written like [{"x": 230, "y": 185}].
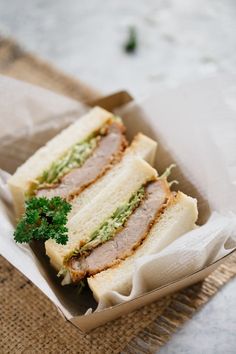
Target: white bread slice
[
  {"x": 141, "y": 146},
  {"x": 19, "y": 183},
  {"x": 178, "y": 218},
  {"x": 126, "y": 182},
  {"x": 144, "y": 147}
]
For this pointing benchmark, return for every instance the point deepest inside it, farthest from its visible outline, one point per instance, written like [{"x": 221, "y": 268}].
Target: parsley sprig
[
  {"x": 43, "y": 219},
  {"x": 131, "y": 43}
]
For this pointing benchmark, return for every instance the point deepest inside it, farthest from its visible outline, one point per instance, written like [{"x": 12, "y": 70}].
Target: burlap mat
[{"x": 29, "y": 323}]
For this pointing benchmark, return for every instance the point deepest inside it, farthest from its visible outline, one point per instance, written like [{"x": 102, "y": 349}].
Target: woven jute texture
[{"x": 29, "y": 323}]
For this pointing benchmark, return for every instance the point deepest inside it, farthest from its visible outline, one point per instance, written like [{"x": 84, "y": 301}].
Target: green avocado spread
[{"x": 110, "y": 226}]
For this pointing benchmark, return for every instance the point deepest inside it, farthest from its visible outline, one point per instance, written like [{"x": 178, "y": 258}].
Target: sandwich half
[
  {"x": 78, "y": 157},
  {"x": 177, "y": 217},
  {"x": 134, "y": 215},
  {"x": 72, "y": 160}
]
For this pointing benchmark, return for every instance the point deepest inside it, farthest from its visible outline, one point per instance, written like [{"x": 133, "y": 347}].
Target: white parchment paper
[{"x": 195, "y": 126}]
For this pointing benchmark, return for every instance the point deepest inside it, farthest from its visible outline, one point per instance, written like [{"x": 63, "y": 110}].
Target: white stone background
[{"x": 178, "y": 41}]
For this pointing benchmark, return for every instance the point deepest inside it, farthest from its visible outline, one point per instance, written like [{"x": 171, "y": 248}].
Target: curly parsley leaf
[{"x": 43, "y": 219}]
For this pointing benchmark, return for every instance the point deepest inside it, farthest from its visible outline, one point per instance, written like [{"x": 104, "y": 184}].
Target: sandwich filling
[
  {"x": 83, "y": 163},
  {"x": 118, "y": 237}
]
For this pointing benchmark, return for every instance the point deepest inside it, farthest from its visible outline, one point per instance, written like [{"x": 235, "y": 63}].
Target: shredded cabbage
[{"x": 109, "y": 227}]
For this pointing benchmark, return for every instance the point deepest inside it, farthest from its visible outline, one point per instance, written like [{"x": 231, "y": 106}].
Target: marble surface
[
  {"x": 177, "y": 41},
  {"x": 212, "y": 330}
]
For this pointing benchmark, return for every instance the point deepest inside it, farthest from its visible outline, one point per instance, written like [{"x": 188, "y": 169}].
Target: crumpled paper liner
[{"x": 188, "y": 254}]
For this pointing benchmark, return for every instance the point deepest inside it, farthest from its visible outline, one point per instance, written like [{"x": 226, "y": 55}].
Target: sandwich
[
  {"x": 75, "y": 158},
  {"x": 177, "y": 216},
  {"x": 109, "y": 235},
  {"x": 120, "y": 209}
]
